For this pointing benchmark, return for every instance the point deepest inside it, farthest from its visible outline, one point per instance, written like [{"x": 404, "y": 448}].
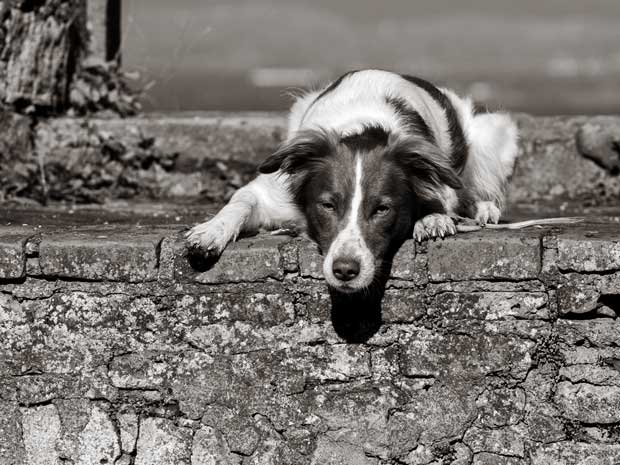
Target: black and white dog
[{"x": 369, "y": 160}]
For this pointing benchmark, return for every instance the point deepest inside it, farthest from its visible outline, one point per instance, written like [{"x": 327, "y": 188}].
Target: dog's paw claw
[
  {"x": 433, "y": 226},
  {"x": 487, "y": 212}
]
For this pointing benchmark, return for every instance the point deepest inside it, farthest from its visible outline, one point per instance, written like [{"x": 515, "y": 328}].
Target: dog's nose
[{"x": 345, "y": 269}]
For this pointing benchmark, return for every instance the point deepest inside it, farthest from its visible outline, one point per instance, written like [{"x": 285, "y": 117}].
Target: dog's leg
[
  {"x": 263, "y": 203},
  {"x": 493, "y": 151},
  {"x": 487, "y": 212}
]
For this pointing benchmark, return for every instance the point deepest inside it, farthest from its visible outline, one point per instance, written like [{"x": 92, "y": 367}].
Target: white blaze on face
[{"x": 350, "y": 243}]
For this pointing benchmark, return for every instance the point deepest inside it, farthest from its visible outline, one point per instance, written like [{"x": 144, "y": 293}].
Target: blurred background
[{"x": 539, "y": 56}]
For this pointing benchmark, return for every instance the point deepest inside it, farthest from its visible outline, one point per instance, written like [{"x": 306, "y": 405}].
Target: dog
[{"x": 370, "y": 160}]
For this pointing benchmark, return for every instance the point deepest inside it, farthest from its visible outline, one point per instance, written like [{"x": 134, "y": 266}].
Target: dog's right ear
[{"x": 305, "y": 148}]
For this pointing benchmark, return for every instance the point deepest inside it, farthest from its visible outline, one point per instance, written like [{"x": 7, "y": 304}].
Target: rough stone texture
[
  {"x": 196, "y": 137},
  {"x": 576, "y": 453},
  {"x": 210, "y": 448},
  {"x": 511, "y": 257},
  {"x": 249, "y": 362},
  {"x": 588, "y": 403},
  {"x": 98, "y": 441},
  {"x": 128, "y": 425},
  {"x": 162, "y": 442},
  {"x": 550, "y": 163},
  {"x": 254, "y": 259},
  {"x": 41, "y": 429},
  {"x": 599, "y": 140},
  {"x": 12, "y": 255},
  {"x": 12, "y": 446},
  {"x": 601, "y": 254},
  {"x": 103, "y": 255}
]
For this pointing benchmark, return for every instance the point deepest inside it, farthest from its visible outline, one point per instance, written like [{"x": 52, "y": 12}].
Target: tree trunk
[{"x": 42, "y": 43}]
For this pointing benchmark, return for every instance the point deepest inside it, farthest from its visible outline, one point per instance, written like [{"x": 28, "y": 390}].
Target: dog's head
[{"x": 360, "y": 195}]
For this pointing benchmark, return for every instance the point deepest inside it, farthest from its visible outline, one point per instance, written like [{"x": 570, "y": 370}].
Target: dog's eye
[
  {"x": 381, "y": 210},
  {"x": 328, "y": 206}
]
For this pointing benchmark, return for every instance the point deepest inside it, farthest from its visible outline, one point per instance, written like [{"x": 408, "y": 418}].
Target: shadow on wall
[{"x": 355, "y": 317}]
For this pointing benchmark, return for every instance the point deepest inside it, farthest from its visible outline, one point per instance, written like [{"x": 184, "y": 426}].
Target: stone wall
[
  {"x": 209, "y": 155},
  {"x": 490, "y": 348}
]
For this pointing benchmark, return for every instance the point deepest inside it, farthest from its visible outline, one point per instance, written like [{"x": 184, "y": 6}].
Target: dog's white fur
[
  {"x": 358, "y": 100},
  {"x": 350, "y": 242}
]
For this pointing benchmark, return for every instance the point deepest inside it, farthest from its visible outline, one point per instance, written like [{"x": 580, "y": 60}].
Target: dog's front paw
[
  {"x": 432, "y": 226},
  {"x": 487, "y": 212},
  {"x": 210, "y": 238}
]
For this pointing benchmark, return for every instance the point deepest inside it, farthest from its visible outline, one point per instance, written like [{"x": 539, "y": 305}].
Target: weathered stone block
[
  {"x": 592, "y": 373},
  {"x": 128, "y": 426},
  {"x": 598, "y": 139},
  {"x": 42, "y": 429},
  {"x": 265, "y": 309},
  {"x": 465, "y": 356},
  {"x": 434, "y": 415},
  {"x": 98, "y": 442},
  {"x": 209, "y": 448},
  {"x": 550, "y": 163},
  {"x": 197, "y": 137},
  {"x": 105, "y": 256},
  {"x": 339, "y": 362},
  {"x": 138, "y": 371},
  {"x": 11, "y": 313},
  {"x": 199, "y": 380},
  {"x": 12, "y": 256},
  {"x": 167, "y": 252},
  {"x": 421, "y": 455},
  {"x": 506, "y": 441},
  {"x": 576, "y": 453},
  {"x": 577, "y": 298},
  {"x": 588, "y": 255},
  {"x": 588, "y": 403},
  {"x": 403, "y": 305},
  {"x": 11, "y": 436},
  {"x": 410, "y": 265},
  {"x": 329, "y": 452},
  {"x": 239, "y": 431},
  {"x": 484, "y": 256},
  {"x": 491, "y": 305},
  {"x": 248, "y": 260},
  {"x": 290, "y": 256},
  {"x": 357, "y": 415},
  {"x": 236, "y": 337},
  {"x": 599, "y": 333},
  {"x": 310, "y": 261},
  {"x": 487, "y": 458},
  {"x": 161, "y": 442},
  {"x": 501, "y": 407}
]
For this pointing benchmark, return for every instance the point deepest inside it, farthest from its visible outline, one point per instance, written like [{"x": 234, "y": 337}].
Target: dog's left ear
[
  {"x": 425, "y": 164},
  {"x": 305, "y": 148}
]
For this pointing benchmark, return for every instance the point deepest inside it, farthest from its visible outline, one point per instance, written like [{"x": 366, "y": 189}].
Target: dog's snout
[{"x": 346, "y": 269}]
